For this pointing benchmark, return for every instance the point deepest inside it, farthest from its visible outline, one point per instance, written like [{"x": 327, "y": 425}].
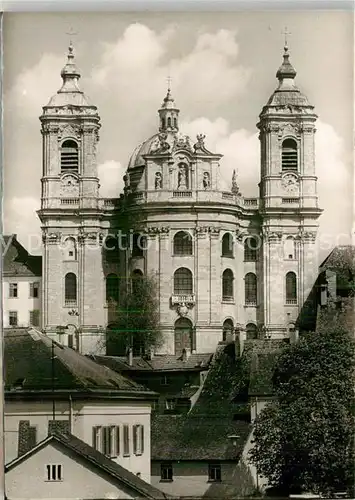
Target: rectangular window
[
  {"x": 170, "y": 404},
  {"x": 13, "y": 290},
  {"x": 34, "y": 317},
  {"x": 54, "y": 472},
  {"x": 164, "y": 380},
  {"x": 166, "y": 472},
  {"x": 214, "y": 473},
  {"x": 126, "y": 450},
  {"x": 106, "y": 440},
  {"x": 34, "y": 290},
  {"x": 13, "y": 321},
  {"x": 138, "y": 439}
]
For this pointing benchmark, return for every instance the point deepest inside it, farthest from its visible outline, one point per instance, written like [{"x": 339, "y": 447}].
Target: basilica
[{"x": 224, "y": 264}]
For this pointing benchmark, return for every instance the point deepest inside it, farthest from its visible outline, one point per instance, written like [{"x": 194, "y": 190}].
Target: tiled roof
[
  {"x": 143, "y": 489},
  {"x": 167, "y": 362},
  {"x": 18, "y": 262},
  {"x": 28, "y": 366},
  {"x": 180, "y": 437},
  {"x": 343, "y": 255},
  {"x": 261, "y": 373}
]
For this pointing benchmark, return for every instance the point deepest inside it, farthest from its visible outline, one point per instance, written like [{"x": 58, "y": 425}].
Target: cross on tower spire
[
  {"x": 286, "y": 32},
  {"x": 168, "y": 81},
  {"x": 71, "y": 33}
]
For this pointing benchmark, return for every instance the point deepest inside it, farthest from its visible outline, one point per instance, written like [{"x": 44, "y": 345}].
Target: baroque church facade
[{"x": 224, "y": 264}]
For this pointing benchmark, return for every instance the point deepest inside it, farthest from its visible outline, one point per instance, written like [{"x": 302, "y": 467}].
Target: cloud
[
  {"x": 111, "y": 175},
  {"x": 34, "y": 87},
  {"x": 241, "y": 150},
  {"x": 21, "y": 218}
]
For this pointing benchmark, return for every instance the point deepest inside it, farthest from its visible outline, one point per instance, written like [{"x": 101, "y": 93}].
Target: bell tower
[
  {"x": 288, "y": 202},
  {"x": 70, "y": 216}
]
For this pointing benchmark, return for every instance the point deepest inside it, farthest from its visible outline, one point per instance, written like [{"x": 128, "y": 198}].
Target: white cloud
[
  {"x": 34, "y": 87},
  {"x": 134, "y": 69},
  {"x": 21, "y": 219},
  {"x": 241, "y": 150},
  {"x": 111, "y": 175}
]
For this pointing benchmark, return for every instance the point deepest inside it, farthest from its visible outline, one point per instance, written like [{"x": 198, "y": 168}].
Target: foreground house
[
  {"x": 198, "y": 456},
  {"x": 49, "y": 386},
  {"x": 63, "y": 466},
  {"x": 22, "y": 278}
]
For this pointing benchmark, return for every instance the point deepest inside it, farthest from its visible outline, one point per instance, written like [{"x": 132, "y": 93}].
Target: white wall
[
  {"x": 80, "y": 480},
  {"x": 86, "y": 415},
  {"x": 23, "y": 304},
  {"x": 190, "y": 478}
]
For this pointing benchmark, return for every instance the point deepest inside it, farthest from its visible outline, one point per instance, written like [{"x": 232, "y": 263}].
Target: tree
[
  {"x": 303, "y": 440},
  {"x": 137, "y": 324}
]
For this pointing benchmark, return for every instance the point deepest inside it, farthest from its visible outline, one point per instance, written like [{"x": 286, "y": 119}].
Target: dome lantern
[{"x": 168, "y": 114}]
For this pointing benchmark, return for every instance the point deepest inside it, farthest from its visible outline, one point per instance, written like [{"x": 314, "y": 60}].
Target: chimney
[
  {"x": 150, "y": 354},
  {"x": 130, "y": 356},
  {"x": 186, "y": 354},
  {"x": 27, "y": 438},
  {"x": 239, "y": 341}
]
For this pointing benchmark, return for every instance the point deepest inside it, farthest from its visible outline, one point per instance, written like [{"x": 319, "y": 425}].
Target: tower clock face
[
  {"x": 290, "y": 183},
  {"x": 70, "y": 185}
]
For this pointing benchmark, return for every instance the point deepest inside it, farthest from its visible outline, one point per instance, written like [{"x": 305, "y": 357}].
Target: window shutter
[
  {"x": 31, "y": 290},
  {"x": 125, "y": 440},
  {"x": 96, "y": 434},
  {"x": 113, "y": 451},
  {"x": 106, "y": 441},
  {"x": 142, "y": 438},
  {"x": 135, "y": 439},
  {"x": 118, "y": 443}
]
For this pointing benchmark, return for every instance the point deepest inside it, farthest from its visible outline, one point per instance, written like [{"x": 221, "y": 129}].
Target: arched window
[
  {"x": 182, "y": 243},
  {"x": 112, "y": 288},
  {"x": 70, "y": 252},
  {"x": 251, "y": 331},
  {"x": 169, "y": 121},
  {"x": 183, "y": 281},
  {"x": 175, "y": 122},
  {"x": 228, "y": 329},
  {"x": 137, "y": 276},
  {"x": 163, "y": 123},
  {"x": 227, "y": 245},
  {"x": 289, "y": 248},
  {"x": 183, "y": 335},
  {"x": 227, "y": 286},
  {"x": 291, "y": 288},
  {"x": 289, "y": 156},
  {"x": 250, "y": 249},
  {"x": 111, "y": 250},
  {"x": 250, "y": 289},
  {"x": 69, "y": 156},
  {"x": 138, "y": 245},
  {"x": 70, "y": 289}
]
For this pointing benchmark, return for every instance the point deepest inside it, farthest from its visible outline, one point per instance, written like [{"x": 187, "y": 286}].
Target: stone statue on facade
[{"x": 158, "y": 180}]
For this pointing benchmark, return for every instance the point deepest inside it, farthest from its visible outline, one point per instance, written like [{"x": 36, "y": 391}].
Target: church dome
[
  {"x": 69, "y": 94},
  {"x": 287, "y": 92},
  {"x": 143, "y": 148}
]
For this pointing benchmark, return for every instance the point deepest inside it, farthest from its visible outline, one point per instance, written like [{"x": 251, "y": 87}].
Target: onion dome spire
[
  {"x": 286, "y": 70},
  {"x": 168, "y": 113},
  {"x": 70, "y": 73}
]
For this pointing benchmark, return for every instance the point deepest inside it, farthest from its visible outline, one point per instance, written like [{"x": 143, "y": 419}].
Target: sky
[{"x": 222, "y": 67}]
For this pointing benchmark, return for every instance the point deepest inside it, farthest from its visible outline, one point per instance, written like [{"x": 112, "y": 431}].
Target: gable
[{"x": 80, "y": 478}]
